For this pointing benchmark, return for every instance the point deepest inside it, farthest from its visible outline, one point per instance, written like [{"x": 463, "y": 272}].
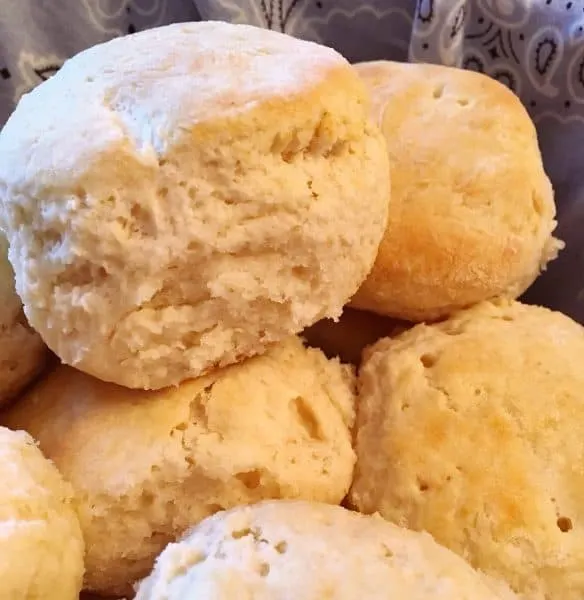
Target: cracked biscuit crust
[
  {"x": 470, "y": 429},
  {"x": 147, "y": 465},
  {"x": 178, "y": 199}
]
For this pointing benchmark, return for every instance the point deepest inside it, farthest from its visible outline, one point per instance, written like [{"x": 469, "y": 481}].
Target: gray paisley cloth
[{"x": 535, "y": 47}]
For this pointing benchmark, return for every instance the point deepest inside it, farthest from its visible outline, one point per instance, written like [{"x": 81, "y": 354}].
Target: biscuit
[
  {"x": 310, "y": 551},
  {"x": 147, "y": 465},
  {"x": 472, "y": 211},
  {"x": 22, "y": 352},
  {"x": 42, "y": 546},
  {"x": 471, "y": 430},
  {"x": 351, "y": 334},
  {"x": 177, "y": 200}
]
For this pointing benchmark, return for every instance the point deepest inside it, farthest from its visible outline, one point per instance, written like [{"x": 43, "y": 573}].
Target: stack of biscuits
[{"x": 260, "y": 336}]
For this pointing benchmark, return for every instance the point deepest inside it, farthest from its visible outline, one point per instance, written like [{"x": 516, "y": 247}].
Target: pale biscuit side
[
  {"x": 157, "y": 233},
  {"x": 22, "y": 352}
]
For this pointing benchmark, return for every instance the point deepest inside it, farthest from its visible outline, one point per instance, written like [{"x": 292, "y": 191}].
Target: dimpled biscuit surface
[
  {"x": 41, "y": 556},
  {"x": 178, "y": 199},
  {"x": 308, "y": 551},
  {"x": 147, "y": 465},
  {"x": 471, "y": 429},
  {"x": 472, "y": 211}
]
